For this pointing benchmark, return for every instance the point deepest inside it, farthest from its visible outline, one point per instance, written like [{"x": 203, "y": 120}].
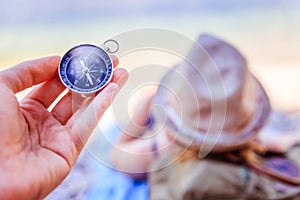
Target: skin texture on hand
[{"x": 39, "y": 147}]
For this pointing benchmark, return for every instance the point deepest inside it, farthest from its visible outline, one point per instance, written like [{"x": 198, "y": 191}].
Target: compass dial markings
[{"x": 86, "y": 68}]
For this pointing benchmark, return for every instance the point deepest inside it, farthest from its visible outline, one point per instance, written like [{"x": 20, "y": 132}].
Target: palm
[
  {"x": 38, "y": 147},
  {"x": 41, "y": 147}
]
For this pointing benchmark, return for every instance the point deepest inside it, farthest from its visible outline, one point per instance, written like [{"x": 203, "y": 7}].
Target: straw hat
[{"x": 210, "y": 100}]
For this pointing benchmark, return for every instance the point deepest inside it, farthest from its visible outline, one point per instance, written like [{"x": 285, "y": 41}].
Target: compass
[{"x": 86, "y": 68}]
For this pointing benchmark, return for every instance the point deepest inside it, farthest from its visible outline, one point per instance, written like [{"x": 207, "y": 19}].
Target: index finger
[{"x": 29, "y": 73}]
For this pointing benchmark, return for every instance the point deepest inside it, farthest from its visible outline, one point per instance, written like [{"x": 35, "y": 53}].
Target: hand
[
  {"x": 133, "y": 152},
  {"x": 39, "y": 147}
]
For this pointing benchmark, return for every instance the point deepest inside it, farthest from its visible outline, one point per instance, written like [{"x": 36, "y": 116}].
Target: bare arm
[{"x": 132, "y": 154}]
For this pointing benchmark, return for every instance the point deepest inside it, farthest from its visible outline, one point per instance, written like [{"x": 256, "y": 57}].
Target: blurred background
[{"x": 267, "y": 32}]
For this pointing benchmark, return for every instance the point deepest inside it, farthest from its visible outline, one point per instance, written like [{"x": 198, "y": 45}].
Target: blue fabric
[
  {"x": 116, "y": 186},
  {"x": 111, "y": 184}
]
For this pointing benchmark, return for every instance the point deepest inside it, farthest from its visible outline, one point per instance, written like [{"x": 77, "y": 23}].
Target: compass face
[{"x": 85, "y": 69}]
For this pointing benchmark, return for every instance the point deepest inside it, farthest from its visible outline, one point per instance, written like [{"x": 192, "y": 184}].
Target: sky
[
  {"x": 266, "y": 31},
  {"x": 34, "y": 11},
  {"x": 47, "y": 26}
]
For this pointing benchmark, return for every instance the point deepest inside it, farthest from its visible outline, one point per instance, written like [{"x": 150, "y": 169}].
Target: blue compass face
[{"x": 85, "y": 69}]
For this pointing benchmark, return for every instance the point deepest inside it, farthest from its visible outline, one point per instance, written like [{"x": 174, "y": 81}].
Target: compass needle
[
  {"x": 86, "y": 69},
  {"x": 89, "y": 78},
  {"x": 82, "y": 64}
]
